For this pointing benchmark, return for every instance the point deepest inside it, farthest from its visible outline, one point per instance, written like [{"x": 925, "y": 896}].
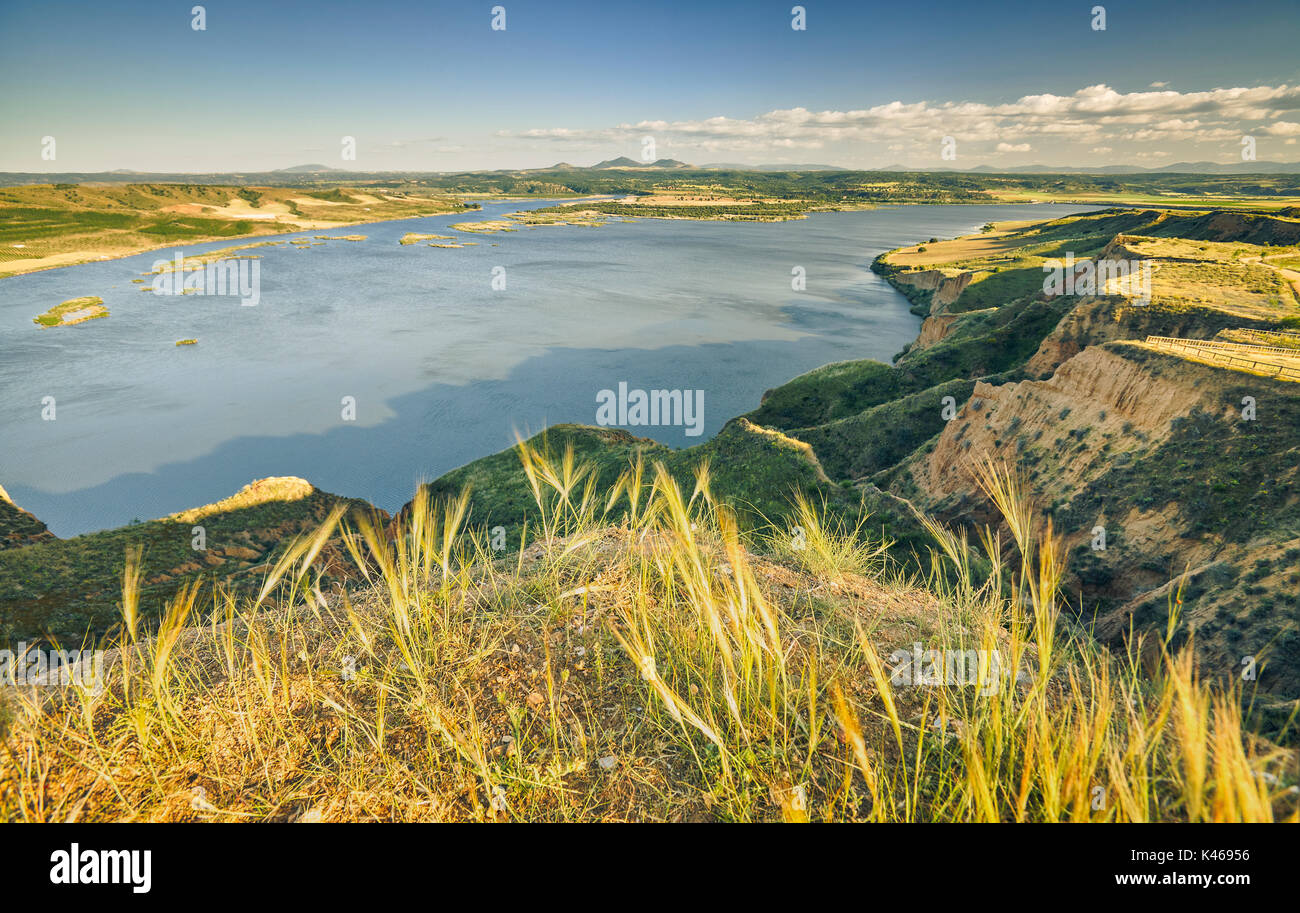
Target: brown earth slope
[{"x": 18, "y": 527}]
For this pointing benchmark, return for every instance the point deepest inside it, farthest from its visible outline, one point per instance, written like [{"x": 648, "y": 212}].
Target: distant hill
[
  {"x": 1233, "y": 168},
  {"x": 318, "y": 174},
  {"x": 621, "y": 162},
  {"x": 1175, "y": 168},
  {"x": 734, "y": 166},
  {"x": 624, "y": 162}
]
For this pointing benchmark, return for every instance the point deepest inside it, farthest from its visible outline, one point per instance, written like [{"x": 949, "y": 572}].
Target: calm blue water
[{"x": 443, "y": 368}]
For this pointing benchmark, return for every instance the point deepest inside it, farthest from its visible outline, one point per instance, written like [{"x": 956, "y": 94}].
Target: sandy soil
[{"x": 67, "y": 258}]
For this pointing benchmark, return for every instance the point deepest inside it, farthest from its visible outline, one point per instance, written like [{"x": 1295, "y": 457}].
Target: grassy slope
[
  {"x": 1230, "y": 482},
  {"x": 653, "y": 671},
  {"x": 988, "y": 345},
  {"x": 877, "y": 438},
  {"x": 759, "y": 473},
  {"x": 68, "y": 588},
  {"x": 19, "y": 528}
]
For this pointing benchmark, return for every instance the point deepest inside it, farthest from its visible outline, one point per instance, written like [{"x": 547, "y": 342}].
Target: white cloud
[
  {"x": 1282, "y": 128},
  {"x": 1098, "y": 116}
]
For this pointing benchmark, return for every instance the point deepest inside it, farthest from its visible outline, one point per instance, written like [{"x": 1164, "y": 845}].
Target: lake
[{"x": 441, "y": 366}]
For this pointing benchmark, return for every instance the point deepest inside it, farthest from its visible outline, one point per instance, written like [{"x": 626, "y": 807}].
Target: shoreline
[
  {"x": 884, "y": 360},
  {"x": 480, "y": 456},
  {"x": 323, "y": 226},
  {"x": 332, "y": 226}
]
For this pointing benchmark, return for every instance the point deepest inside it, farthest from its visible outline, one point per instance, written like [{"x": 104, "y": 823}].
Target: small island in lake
[
  {"x": 74, "y": 310},
  {"x": 413, "y": 237}
]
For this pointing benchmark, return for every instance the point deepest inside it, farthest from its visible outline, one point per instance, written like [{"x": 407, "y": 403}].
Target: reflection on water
[{"x": 442, "y": 367}]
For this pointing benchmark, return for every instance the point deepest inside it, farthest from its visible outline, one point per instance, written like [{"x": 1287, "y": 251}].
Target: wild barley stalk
[{"x": 756, "y": 700}]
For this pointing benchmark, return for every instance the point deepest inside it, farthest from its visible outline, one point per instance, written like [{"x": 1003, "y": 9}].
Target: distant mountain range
[
  {"x": 314, "y": 172},
  {"x": 624, "y": 162},
  {"x": 1175, "y": 168},
  {"x": 736, "y": 166}
]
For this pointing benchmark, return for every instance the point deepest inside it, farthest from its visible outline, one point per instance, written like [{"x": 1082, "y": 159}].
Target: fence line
[
  {"x": 1216, "y": 353},
  {"x": 1227, "y": 346},
  {"x": 1273, "y": 335}
]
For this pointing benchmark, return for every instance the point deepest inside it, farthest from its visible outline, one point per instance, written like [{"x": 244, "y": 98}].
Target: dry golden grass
[
  {"x": 1003, "y": 238},
  {"x": 1235, "y": 287},
  {"x": 634, "y": 660},
  {"x": 275, "y": 488}
]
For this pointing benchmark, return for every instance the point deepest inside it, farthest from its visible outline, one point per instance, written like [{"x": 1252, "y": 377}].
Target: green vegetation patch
[
  {"x": 757, "y": 472},
  {"x": 336, "y": 195},
  {"x": 71, "y": 588},
  {"x": 983, "y": 345},
  {"x": 74, "y": 310},
  {"x": 879, "y": 437},
  {"x": 18, "y": 528}
]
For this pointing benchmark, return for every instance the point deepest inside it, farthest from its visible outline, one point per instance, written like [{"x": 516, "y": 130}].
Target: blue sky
[{"x": 431, "y": 86}]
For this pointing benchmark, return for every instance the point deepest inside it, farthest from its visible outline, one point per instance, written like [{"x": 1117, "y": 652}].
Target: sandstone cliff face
[
  {"x": 1108, "y": 317},
  {"x": 944, "y": 285},
  {"x": 1198, "y": 507},
  {"x": 1099, "y": 391},
  {"x": 1154, "y": 450},
  {"x": 1098, "y": 320},
  {"x": 934, "y": 329}
]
